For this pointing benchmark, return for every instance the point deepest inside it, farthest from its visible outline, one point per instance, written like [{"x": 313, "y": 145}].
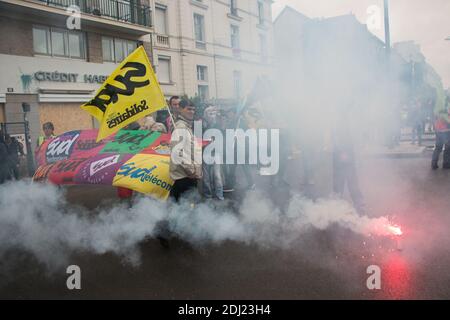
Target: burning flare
[
  {"x": 395, "y": 230},
  {"x": 383, "y": 226}
]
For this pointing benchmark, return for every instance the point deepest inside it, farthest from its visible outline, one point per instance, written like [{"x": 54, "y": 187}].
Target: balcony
[
  {"x": 162, "y": 40},
  {"x": 119, "y": 10}
]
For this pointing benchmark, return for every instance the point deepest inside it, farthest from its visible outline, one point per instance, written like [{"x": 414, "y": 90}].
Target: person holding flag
[
  {"x": 186, "y": 152},
  {"x": 130, "y": 93}
]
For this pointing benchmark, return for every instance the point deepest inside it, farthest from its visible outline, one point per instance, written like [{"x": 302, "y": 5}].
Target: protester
[
  {"x": 233, "y": 121},
  {"x": 442, "y": 130},
  {"x": 212, "y": 183},
  {"x": 48, "y": 129},
  {"x": 229, "y": 119},
  {"x": 416, "y": 121},
  {"x": 243, "y": 123},
  {"x": 4, "y": 167},
  {"x": 150, "y": 124},
  {"x": 344, "y": 162},
  {"x": 185, "y": 173},
  {"x": 285, "y": 148},
  {"x": 14, "y": 149}
]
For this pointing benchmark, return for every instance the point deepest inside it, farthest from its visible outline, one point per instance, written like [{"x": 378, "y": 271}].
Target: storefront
[{"x": 55, "y": 88}]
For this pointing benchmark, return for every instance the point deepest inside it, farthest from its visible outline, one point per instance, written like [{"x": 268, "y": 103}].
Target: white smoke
[{"x": 36, "y": 218}]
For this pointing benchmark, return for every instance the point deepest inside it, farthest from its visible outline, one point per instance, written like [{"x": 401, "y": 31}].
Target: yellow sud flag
[
  {"x": 130, "y": 93},
  {"x": 146, "y": 173}
]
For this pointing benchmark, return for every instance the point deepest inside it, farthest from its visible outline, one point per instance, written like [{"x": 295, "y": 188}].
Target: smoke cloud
[{"x": 36, "y": 218}]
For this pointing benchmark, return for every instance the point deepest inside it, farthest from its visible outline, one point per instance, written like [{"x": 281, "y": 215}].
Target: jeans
[
  {"x": 442, "y": 139},
  {"x": 417, "y": 131},
  {"x": 212, "y": 180}
]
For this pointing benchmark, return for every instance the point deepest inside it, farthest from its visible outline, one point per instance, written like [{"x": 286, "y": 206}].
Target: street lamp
[
  {"x": 30, "y": 163},
  {"x": 387, "y": 33}
]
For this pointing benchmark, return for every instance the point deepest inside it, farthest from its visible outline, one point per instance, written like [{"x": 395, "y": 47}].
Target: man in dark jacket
[
  {"x": 4, "y": 169},
  {"x": 14, "y": 148}
]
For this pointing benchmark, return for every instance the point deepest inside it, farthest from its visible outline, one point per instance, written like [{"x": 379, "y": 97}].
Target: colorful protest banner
[
  {"x": 131, "y": 92},
  {"x": 133, "y": 159}
]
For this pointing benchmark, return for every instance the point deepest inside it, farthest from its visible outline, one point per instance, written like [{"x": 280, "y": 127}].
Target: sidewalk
[{"x": 404, "y": 150}]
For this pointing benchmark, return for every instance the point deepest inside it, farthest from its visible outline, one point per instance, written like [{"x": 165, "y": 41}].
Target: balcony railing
[
  {"x": 120, "y": 10},
  {"x": 162, "y": 40}
]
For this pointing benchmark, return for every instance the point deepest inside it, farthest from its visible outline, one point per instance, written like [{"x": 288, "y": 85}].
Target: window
[
  {"x": 160, "y": 17},
  {"x": 263, "y": 47},
  {"x": 119, "y": 54},
  {"x": 261, "y": 12},
  {"x": 235, "y": 37},
  {"x": 235, "y": 40},
  {"x": 203, "y": 92},
  {"x": 108, "y": 49},
  {"x": 163, "y": 71},
  {"x": 58, "y": 42},
  {"x": 115, "y": 50},
  {"x": 199, "y": 30},
  {"x": 75, "y": 45},
  {"x": 41, "y": 41},
  {"x": 202, "y": 73},
  {"x": 233, "y": 7},
  {"x": 237, "y": 84},
  {"x": 202, "y": 78}
]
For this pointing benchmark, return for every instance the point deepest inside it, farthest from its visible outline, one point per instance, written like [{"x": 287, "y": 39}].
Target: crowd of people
[
  {"x": 12, "y": 152},
  {"x": 422, "y": 119},
  {"x": 214, "y": 179}
]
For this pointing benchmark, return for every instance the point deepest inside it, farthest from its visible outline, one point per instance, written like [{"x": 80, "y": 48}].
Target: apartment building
[
  {"x": 212, "y": 48},
  {"x": 55, "y": 58}
]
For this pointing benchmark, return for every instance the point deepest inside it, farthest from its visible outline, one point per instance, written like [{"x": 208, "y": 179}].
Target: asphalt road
[{"x": 329, "y": 264}]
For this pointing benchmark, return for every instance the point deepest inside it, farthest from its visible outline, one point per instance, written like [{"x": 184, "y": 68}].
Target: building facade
[
  {"x": 212, "y": 48},
  {"x": 55, "y": 58}
]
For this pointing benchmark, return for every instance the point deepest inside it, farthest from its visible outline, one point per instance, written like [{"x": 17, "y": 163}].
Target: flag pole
[
  {"x": 241, "y": 111},
  {"x": 171, "y": 117}
]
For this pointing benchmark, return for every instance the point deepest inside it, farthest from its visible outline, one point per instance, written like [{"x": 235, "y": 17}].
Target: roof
[{"x": 290, "y": 10}]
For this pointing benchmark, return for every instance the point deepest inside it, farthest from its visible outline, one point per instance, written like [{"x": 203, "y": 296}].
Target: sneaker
[
  {"x": 434, "y": 166},
  {"x": 228, "y": 189},
  {"x": 252, "y": 187}
]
